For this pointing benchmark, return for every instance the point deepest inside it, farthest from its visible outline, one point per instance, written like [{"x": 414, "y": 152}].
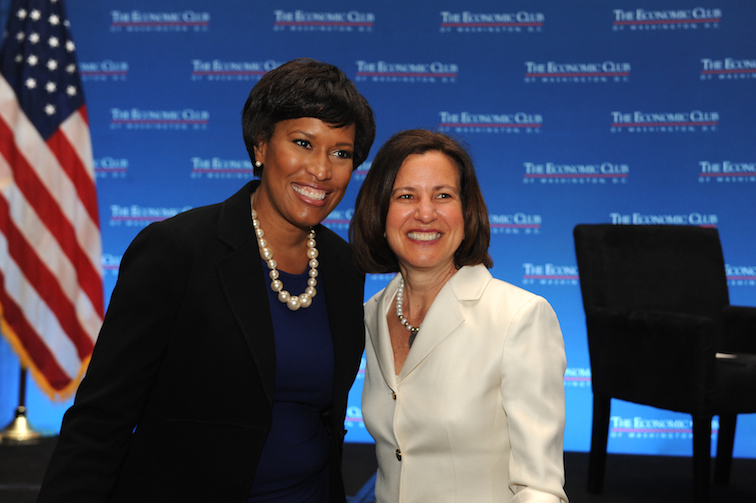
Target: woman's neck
[
  {"x": 421, "y": 288},
  {"x": 287, "y": 242}
]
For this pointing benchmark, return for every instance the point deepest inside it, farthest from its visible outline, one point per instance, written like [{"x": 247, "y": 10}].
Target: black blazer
[{"x": 176, "y": 403}]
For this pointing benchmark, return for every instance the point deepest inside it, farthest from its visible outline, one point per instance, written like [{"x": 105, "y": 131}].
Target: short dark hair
[
  {"x": 306, "y": 88},
  {"x": 367, "y": 230}
]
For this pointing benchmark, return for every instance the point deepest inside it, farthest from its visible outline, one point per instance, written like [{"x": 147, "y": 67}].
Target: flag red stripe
[
  {"x": 44, "y": 282},
  {"x": 49, "y": 212},
  {"x": 44, "y": 360},
  {"x": 74, "y": 168},
  {"x": 84, "y": 115}
]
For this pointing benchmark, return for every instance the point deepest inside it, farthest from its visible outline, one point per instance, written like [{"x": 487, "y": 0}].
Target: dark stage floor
[{"x": 629, "y": 479}]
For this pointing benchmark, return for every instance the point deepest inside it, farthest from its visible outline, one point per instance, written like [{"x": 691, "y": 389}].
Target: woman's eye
[
  {"x": 303, "y": 143},
  {"x": 344, "y": 154}
]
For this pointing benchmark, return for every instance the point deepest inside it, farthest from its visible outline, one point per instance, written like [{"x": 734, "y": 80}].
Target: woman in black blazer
[{"x": 189, "y": 395}]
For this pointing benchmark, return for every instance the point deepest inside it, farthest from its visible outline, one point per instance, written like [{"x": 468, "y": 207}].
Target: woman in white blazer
[{"x": 474, "y": 411}]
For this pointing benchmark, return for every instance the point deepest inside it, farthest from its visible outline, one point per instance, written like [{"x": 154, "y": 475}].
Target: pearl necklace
[
  {"x": 400, "y": 313},
  {"x": 294, "y": 302}
]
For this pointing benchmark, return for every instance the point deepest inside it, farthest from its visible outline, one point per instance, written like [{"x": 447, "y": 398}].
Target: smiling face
[
  {"x": 425, "y": 223},
  {"x": 307, "y": 166}
]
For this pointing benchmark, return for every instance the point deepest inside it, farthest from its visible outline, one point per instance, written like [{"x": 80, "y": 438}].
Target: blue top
[{"x": 293, "y": 466}]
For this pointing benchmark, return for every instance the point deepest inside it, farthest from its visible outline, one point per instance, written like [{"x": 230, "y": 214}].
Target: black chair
[{"x": 661, "y": 332}]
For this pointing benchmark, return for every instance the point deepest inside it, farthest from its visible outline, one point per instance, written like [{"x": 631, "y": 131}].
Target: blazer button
[
  {"x": 398, "y": 454},
  {"x": 393, "y": 395}
]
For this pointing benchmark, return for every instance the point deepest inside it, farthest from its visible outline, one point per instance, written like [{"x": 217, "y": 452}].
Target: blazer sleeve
[
  {"x": 532, "y": 389},
  {"x": 96, "y": 431}
]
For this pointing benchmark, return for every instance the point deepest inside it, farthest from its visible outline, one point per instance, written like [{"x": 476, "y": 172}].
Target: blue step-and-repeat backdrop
[{"x": 621, "y": 111}]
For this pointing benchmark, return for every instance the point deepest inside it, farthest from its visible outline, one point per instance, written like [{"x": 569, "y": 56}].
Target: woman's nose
[
  {"x": 426, "y": 210},
  {"x": 319, "y": 167}
]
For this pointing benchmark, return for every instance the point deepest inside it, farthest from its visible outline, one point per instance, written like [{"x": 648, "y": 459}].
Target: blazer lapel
[
  {"x": 445, "y": 314},
  {"x": 443, "y": 317},
  {"x": 375, "y": 319},
  {"x": 243, "y": 279}
]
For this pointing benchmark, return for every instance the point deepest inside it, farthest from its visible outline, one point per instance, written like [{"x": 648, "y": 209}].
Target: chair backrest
[{"x": 669, "y": 268}]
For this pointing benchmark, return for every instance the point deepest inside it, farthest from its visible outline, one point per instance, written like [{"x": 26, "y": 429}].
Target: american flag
[{"x": 51, "y": 296}]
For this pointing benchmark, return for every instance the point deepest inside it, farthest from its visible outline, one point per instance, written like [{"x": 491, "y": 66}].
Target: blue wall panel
[{"x": 575, "y": 112}]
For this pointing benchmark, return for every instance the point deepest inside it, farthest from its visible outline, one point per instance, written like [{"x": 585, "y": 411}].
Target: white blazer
[{"x": 477, "y": 412}]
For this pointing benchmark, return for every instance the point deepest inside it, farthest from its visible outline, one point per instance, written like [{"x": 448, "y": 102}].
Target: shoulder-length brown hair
[{"x": 367, "y": 230}]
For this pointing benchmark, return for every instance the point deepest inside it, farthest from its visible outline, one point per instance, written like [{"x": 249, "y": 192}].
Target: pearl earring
[{"x": 258, "y": 164}]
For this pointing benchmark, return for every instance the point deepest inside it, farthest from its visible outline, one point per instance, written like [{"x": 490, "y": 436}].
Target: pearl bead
[{"x": 293, "y": 303}]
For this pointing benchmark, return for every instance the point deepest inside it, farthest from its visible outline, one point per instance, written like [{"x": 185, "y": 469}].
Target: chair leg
[
  {"x": 725, "y": 443},
  {"x": 701, "y": 457},
  {"x": 597, "y": 457}
]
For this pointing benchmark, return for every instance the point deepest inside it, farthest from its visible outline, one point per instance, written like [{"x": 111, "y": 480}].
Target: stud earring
[{"x": 258, "y": 164}]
